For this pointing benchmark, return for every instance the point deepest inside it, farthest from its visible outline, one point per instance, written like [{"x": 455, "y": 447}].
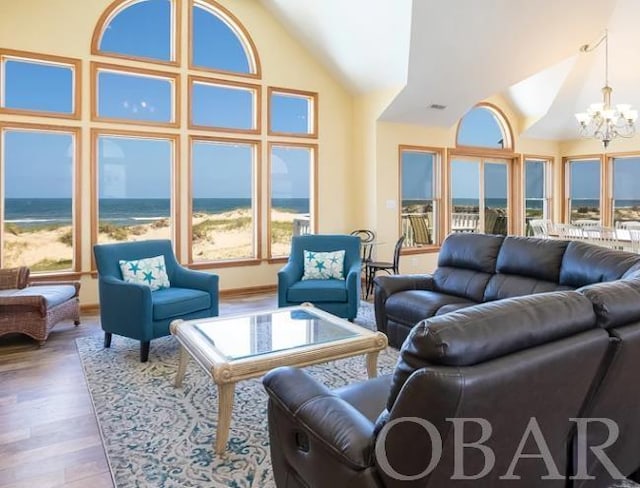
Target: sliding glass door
[{"x": 480, "y": 195}]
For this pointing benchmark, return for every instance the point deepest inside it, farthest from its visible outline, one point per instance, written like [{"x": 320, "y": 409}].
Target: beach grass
[
  {"x": 51, "y": 265},
  {"x": 201, "y": 230}
]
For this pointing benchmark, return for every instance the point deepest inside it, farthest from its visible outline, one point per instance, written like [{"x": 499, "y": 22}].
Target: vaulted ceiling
[{"x": 457, "y": 53}]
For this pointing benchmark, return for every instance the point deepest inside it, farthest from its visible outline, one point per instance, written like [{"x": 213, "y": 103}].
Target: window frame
[
  {"x": 481, "y": 157},
  {"x": 257, "y": 104},
  {"x": 175, "y": 206},
  {"x": 76, "y": 215},
  {"x": 503, "y": 124},
  {"x": 313, "y": 188},
  {"x": 314, "y": 100},
  {"x": 438, "y": 204},
  {"x": 118, "y": 6},
  {"x": 566, "y": 186},
  {"x": 237, "y": 27},
  {"x": 257, "y": 211},
  {"x": 548, "y": 200},
  {"x": 173, "y": 78},
  {"x": 46, "y": 59}
]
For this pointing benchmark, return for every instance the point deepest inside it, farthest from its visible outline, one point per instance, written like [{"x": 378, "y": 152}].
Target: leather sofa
[
  {"x": 477, "y": 268},
  {"x": 552, "y": 357}
]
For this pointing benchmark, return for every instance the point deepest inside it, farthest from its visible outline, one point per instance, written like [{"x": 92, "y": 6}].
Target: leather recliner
[{"x": 507, "y": 362}]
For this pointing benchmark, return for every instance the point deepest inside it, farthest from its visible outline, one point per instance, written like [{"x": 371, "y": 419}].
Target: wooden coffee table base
[{"x": 225, "y": 373}]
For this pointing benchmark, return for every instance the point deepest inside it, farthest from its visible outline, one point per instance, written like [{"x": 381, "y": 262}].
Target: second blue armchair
[
  {"x": 339, "y": 297},
  {"x": 133, "y": 310}
]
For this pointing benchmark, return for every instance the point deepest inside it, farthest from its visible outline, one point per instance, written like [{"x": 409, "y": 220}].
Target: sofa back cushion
[
  {"x": 615, "y": 303},
  {"x": 483, "y": 332},
  {"x": 460, "y": 282},
  {"x": 476, "y": 252},
  {"x": 583, "y": 264},
  {"x": 534, "y": 258},
  {"x": 465, "y": 264}
]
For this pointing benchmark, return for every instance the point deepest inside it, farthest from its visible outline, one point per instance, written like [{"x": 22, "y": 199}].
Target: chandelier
[{"x": 601, "y": 121}]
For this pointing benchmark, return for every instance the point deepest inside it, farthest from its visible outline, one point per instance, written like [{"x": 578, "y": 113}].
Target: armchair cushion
[
  {"x": 323, "y": 265},
  {"x": 318, "y": 291},
  {"x": 148, "y": 271},
  {"x": 174, "y": 302}
]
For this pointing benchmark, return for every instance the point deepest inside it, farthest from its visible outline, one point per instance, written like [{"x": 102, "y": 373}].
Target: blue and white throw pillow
[
  {"x": 323, "y": 265},
  {"x": 148, "y": 271}
]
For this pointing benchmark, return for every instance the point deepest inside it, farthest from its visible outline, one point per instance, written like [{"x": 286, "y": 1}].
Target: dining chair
[
  {"x": 389, "y": 267},
  {"x": 367, "y": 241}
]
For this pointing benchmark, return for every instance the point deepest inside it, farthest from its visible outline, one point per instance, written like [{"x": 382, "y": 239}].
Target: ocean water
[{"x": 36, "y": 212}]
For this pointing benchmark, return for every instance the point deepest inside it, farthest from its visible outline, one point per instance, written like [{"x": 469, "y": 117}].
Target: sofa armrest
[
  {"x": 385, "y": 286},
  {"x": 124, "y": 306},
  {"x": 329, "y": 421},
  {"x": 198, "y": 280},
  {"x": 11, "y": 278},
  {"x": 287, "y": 276},
  {"x": 35, "y": 302},
  {"x": 353, "y": 279}
]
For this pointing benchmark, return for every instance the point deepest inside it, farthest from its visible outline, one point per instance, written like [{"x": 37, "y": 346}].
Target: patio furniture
[
  {"x": 133, "y": 310},
  {"x": 35, "y": 308},
  {"x": 421, "y": 236},
  {"x": 389, "y": 267}
]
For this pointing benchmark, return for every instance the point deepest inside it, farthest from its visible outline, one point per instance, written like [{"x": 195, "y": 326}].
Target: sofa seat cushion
[
  {"x": 317, "y": 291},
  {"x": 52, "y": 294},
  {"x": 411, "y": 306},
  {"x": 173, "y": 302}
]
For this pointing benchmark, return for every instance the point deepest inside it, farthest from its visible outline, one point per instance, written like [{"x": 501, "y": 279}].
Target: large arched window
[
  {"x": 484, "y": 126},
  {"x": 137, "y": 189}
]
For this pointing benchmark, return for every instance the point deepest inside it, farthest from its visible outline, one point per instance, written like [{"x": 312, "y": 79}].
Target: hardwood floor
[{"x": 49, "y": 436}]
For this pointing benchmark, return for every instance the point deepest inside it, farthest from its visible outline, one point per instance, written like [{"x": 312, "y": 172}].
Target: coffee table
[{"x": 243, "y": 346}]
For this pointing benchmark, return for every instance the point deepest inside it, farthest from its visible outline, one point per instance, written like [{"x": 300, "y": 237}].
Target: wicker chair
[{"x": 35, "y": 308}]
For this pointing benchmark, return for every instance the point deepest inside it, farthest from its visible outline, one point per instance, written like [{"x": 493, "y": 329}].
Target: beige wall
[{"x": 65, "y": 28}]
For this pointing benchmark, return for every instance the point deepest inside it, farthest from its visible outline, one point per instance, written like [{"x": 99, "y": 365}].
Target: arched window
[
  {"x": 484, "y": 126},
  {"x": 137, "y": 193},
  {"x": 218, "y": 42},
  {"x": 139, "y": 29}
]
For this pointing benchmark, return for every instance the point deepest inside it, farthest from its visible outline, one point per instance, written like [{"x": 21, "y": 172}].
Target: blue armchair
[
  {"x": 339, "y": 297},
  {"x": 133, "y": 310}
]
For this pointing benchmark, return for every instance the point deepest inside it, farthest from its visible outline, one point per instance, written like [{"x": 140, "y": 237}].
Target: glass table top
[{"x": 262, "y": 333}]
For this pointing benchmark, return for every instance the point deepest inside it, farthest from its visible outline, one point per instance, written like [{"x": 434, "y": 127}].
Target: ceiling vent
[{"x": 437, "y": 106}]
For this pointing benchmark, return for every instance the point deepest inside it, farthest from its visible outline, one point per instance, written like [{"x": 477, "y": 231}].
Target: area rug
[{"x": 159, "y": 436}]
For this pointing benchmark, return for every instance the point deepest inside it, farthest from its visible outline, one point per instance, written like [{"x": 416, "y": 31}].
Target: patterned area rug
[{"x": 159, "y": 436}]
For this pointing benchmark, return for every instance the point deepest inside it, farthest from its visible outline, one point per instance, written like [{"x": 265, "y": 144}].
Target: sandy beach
[{"x": 220, "y": 236}]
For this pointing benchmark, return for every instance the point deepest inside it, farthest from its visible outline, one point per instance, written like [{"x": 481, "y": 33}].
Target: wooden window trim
[
  {"x": 175, "y": 182},
  {"x": 117, "y": 7},
  {"x": 127, "y": 70},
  {"x": 241, "y": 32},
  {"x": 314, "y": 100},
  {"x": 76, "y": 216},
  {"x": 439, "y": 154},
  {"x": 257, "y": 104},
  {"x": 76, "y": 69},
  {"x": 313, "y": 199},
  {"x": 257, "y": 195}
]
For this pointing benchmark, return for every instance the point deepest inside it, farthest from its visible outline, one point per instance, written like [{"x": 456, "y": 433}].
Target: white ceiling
[{"x": 457, "y": 53}]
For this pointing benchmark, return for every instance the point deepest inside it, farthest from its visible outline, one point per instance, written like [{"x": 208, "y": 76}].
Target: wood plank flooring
[{"x": 49, "y": 436}]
